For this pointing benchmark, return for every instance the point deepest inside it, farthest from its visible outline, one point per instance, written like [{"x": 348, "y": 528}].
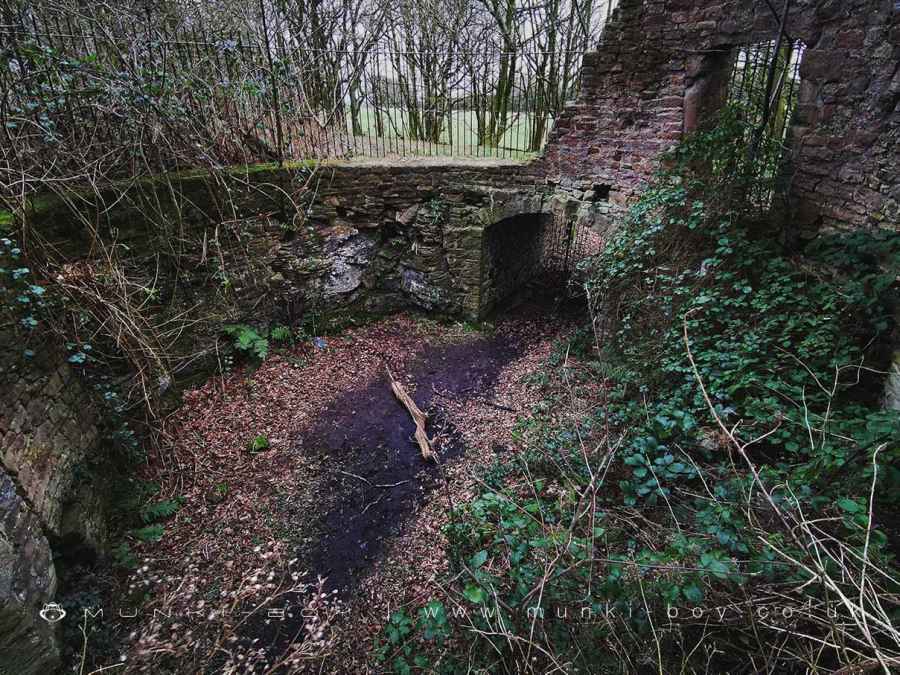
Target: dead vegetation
[
  {"x": 420, "y": 418},
  {"x": 203, "y": 593}
]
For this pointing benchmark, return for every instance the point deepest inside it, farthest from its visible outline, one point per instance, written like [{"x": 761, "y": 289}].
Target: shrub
[
  {"x": 248, "y": 341},
  {"x": 254, "y": 342}
]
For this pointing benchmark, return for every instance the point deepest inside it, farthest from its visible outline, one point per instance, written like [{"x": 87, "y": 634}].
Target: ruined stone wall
[
  {"x": 370, "y": 237},
  {"x": 418, "y": 230},
  {"x": 28, "y": 645},
  {"x": 259, "y": 246},
  {"x": 48, "y": 430},
  {"x": 271, "y": 244},
  {"x": 660, "y": 64},
  {"x": 48, "y": 426}
]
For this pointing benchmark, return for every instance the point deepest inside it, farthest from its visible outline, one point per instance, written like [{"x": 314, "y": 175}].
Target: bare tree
[
  {"x": 561, "y": 31},
  {"x": 426, "y": 40},
  {"x": 540, "y": 44},
  {"x": 330, "y": 41}
]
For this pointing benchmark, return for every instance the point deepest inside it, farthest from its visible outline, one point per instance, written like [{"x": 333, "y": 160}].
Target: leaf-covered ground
[{"x": 289, "y": 558}]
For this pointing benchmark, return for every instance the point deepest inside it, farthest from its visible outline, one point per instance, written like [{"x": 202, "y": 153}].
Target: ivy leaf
[
  {"x": 711, "y": 562},
  {"x": 849, "y": 505},
  {"x": 474, "y": 594},
  {"x": 478, "y": 560},
  {"x": 692, "y": 592}
]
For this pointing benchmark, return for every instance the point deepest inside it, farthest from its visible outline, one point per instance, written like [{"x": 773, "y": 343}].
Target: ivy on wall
[{"x": 699, "y": 317}]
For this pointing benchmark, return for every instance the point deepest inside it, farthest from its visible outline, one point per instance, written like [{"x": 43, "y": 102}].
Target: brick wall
[{"x": 649, "y": 79}]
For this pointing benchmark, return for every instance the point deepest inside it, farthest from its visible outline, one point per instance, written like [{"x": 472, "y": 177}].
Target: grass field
[{"x": 460, "y": 140}]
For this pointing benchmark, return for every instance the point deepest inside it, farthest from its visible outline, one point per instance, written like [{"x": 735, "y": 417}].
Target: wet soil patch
[
  {"x": 372, "y": 481},
  {"x": 378, "y": 477},
  {"x": 375, "y": 478}
]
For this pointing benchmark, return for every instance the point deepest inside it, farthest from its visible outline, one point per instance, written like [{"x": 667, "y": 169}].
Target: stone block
[{"x": 28, "y": 645}]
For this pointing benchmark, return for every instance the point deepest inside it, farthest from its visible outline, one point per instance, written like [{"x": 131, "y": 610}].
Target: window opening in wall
[
  {"x": 601, "y": 193},
  {"x": 764, "y": 85}
]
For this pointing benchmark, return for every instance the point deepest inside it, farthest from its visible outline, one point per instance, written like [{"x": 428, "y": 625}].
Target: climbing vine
[{"x": 24, "y": 301}]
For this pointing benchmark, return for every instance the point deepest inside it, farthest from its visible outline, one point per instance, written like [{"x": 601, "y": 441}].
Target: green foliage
[
  {"x": 160, "y": 510},
  {"x": 142, "y": 516},
  {"x": 281, "y": 333},
  {"x": 406, "y": 643},
  {"x": 773, "y": 337},
  {"x": 258, "y": 444},
  {"x": 123, "y": 556},
  {"x": 23, "y": 301},
  {"x": 149, "y": 534},
  {"x": 787, "y": 346},
  {"x": 256, "y": 342},
  {"x": 248, "y": 341}
]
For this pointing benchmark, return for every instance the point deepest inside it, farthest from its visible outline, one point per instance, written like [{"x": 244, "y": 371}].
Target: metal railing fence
[
  {"x": 267, "y": 98},
  {"x": 764, "y": 85}
]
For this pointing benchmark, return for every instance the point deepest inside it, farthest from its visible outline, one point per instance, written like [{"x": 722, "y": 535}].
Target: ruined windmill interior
[{"x": 496, "y": 336}]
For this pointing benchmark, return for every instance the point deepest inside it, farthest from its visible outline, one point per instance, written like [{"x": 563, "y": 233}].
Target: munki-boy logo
[{"x": 52, "y": 612}]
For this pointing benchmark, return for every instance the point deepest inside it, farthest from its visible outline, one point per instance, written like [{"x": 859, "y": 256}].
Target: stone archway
[
  {"x": 523, "y": 250},
  {"x": 512, "y": 253}
]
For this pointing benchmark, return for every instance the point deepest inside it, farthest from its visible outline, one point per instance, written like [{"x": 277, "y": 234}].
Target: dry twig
[{"x": 418, "y": 416}]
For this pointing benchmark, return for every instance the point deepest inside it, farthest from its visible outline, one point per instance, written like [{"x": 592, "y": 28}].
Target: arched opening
[
  {"x": 511, "y": 256},
  {"x": 523, "y": 253}
]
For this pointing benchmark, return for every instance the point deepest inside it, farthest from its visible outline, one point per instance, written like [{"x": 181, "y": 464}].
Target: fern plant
[
  {"x": 281, "y": 333},
  {"x": 152, "y": 531},
  {"x": 150, "y": 534},
  {"x": 160, "y": 510},
  {"x": 124, "y": 556},
  {"x": 248, "y": 340}
]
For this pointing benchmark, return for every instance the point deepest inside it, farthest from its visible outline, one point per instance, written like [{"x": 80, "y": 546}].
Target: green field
[{"x": 462, "y": 142}]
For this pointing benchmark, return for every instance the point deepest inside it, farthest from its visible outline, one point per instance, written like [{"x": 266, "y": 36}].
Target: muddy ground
[
  {"x": 289, "y": 559},
  {"x": 384, "y": 479}
]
